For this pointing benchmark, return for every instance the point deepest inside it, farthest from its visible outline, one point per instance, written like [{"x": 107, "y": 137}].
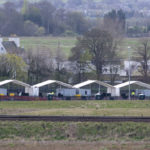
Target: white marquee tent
[
  {"x": 35, "y": 88},
  {"x": 110, "y": 88},
  {"x": 27, "y": 86},
  {"x": 119, "y": 86}
]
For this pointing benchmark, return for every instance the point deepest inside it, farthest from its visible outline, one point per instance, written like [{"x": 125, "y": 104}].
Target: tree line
[
  {"x": 42, "y": 18},
  {"x": 37, "y": 19},
  {"x": 45, "y": 18}
]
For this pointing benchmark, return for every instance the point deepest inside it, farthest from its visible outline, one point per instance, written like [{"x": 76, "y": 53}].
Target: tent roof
[
  {"x": 133, "y": 82},
  {"x": 51, "y": 82},
  {"x": 91, "y": 82},
  {"x": 14, "y": 81}
]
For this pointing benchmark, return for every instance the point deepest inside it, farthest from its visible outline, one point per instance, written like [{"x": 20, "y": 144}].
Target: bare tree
[
  {"x": 46, "y": 12},
  {"x": 59, "y": 59},
  {"x": 80, "y": 59},
  {"x": 40, "y": 64},
  {"x": 100, "y": 46},
  {"x": 113, "y": 70},
  {"x": 114, "y": 23},
  {"x": 143, "y": 58}
]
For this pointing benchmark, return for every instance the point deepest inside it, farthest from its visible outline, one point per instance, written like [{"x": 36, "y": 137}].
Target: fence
[{"x": 22, "y": 98}]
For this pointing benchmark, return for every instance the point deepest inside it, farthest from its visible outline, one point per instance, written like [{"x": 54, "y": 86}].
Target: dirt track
[
  {"x": 75, "y": 146},
  {"x": 74, "y": 118}
]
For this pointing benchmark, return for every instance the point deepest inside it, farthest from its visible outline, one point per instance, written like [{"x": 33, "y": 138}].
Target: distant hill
[
  {"x": 99, "y": 7},
  {"x": 3, "y": 1},
  {"x": 109, "y": 1}
]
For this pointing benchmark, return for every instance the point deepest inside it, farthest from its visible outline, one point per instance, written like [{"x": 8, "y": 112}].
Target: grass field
[
  {"x": 71, "y": 135},
  {"x": 128, "y": 42},
  {"x": 77, "y": 108},
  {"x": 66, "y": 43},
  {"x": 49, "y": 131}
]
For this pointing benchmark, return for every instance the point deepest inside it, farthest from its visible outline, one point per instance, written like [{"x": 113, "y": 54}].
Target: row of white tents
[{"x": 33, "y": 90}]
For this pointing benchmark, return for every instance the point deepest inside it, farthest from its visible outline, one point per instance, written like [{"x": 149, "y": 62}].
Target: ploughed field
[{"x": 76, "y": 108}]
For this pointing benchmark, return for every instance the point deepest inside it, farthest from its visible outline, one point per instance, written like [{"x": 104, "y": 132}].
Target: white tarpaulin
[
  {"x": 91, "y": 82},
  {"x": 133, "y": 82},
  {"x": 14, "y": 81},
  {"x": 51, "y": 82}
]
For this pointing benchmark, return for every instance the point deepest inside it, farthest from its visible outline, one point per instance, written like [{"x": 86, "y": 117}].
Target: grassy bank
[
  {"x": 47, "y": 131},
  {"x": 77, "y": 108},
  {"x": 75, "y": 104}
]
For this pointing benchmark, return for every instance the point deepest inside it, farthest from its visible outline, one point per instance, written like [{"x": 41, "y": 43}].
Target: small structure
[
  {"x": 110, "y": 88},
  {"x": 73, "y": 92},
  {"x": 2, "y": 48},
  {"x": 3, "y": 91},
  {"x": 12, "y": 45},
  {"x": 119, "y": 86},
  {"x": 16, "y": 40},
  {"x": 146, "y": 92},
  {"x": 35, "y": 88}
]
